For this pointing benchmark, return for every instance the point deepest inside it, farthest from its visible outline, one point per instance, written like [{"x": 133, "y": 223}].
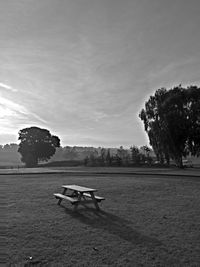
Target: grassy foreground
[{"x": 144, "y": 221}]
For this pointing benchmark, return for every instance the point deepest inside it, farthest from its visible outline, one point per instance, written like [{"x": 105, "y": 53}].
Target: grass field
[{"x": 144, "y": 221}]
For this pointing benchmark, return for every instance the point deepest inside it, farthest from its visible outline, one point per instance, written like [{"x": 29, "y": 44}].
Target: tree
[
  {"x": 70, "y": 153},
  {"x": 36, "y": 145},
  {"x": 86, "y": 159},
  {"x": 172, "y": 121},
  {"x": 135, "y": 154},
  {"x": 118, "y": 160},
  {"x": 146, "y": 157},
  {"x": 93, "y": 158},
  {"x": 109, "y": 158},
  {"x": 102, "y": 155},
  {"x": 124, "y": 155},
  {"x": 146, "y": 150}
]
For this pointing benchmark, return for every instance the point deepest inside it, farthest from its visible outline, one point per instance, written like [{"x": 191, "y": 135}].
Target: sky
[{"x": 83, "y": 69}]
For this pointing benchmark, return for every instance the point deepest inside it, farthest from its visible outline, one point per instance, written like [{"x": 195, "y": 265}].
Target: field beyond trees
[{"x": 145, "y": 220}]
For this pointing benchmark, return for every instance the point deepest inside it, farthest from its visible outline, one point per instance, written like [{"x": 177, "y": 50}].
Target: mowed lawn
[{"x": 144, "y": 221}]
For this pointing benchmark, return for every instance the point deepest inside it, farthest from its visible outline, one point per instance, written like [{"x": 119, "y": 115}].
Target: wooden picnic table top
[{"x": 78, "y": 188}]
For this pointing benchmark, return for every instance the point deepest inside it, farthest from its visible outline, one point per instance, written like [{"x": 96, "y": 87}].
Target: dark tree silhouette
[
  {"x": 36, "y": 145},
  {"x": 172, "y": 121},
  {"x": 109, "y": 158},
  {"x": 135, "y": 154}
]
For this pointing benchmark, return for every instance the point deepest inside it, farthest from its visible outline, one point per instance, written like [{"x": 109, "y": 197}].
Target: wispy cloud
[
  {"x": 7, "y": 87},
  {"x": 13, "y": 115}
]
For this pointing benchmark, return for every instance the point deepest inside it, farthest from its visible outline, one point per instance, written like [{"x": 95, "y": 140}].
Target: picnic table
[{"x": 78, "y": 195}]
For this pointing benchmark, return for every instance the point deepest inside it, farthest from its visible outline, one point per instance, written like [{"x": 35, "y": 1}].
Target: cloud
[
  {"x": 11, "y": 106},
  {"x": 14, "y": 116},
  {"x": 7, "y": 87},
  {"x": 98, "y": 115}
]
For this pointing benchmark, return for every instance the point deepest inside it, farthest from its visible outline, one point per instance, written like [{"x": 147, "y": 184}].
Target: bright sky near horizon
[{"x": 83, "y": 69}]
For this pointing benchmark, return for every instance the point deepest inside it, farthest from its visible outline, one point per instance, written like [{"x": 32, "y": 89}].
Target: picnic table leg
[
  {"x": 64, "y": 191},
  {"x": 94, "y": 200},
  {"x": 79, "y": 199},
  {"x": 74, "y": 194}
]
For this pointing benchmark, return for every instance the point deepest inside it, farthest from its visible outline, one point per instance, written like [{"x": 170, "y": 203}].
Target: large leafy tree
[
  {"x": 36, "y": 145},
  {"x": 172, "y": 121}
]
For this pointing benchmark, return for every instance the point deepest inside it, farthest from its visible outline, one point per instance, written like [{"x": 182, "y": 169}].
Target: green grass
[{"x": 144, "y": 221}]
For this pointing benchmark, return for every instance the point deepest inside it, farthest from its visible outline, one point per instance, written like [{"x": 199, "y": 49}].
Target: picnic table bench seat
[
  {"x": 73, "y": 200},
  {"x": 98, "y": 198}
]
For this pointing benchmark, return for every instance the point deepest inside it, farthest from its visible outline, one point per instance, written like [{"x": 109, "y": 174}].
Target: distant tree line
[
  {"x": 9, "y": 155},
  {"x": 88, "y": 156},
  {"x": 120, "y": 157},
  {"x": 38, "y": 145}
]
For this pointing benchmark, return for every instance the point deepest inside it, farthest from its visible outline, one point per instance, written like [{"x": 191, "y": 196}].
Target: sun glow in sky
[{"x": 83, "y": 69}]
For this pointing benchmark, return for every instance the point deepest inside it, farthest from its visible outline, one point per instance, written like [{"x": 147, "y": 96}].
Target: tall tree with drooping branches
[{"x": 172, "y": 121}]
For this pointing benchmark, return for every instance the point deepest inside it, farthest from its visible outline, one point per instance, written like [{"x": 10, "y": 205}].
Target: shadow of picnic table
[
  {"x": 123, "y": 228},
  {"x": 113, "y": 224}
]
